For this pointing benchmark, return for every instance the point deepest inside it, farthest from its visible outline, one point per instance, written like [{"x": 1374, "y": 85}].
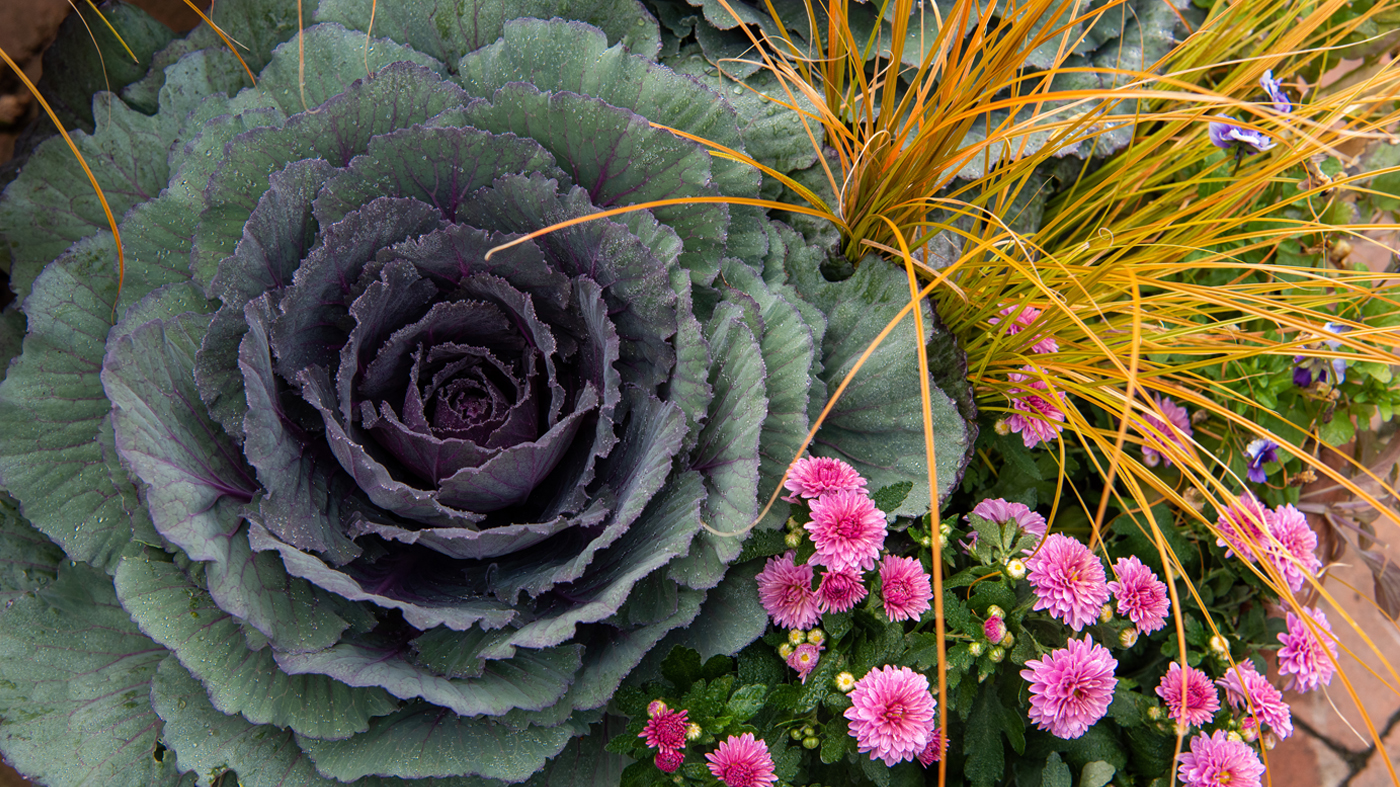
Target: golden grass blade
[
  {"x": 96, "y": 187},
  {"x": 228, "y": 42}
]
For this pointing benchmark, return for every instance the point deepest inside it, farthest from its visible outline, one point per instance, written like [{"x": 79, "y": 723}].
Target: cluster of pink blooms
[
  {"x": 848, "y": 531},
  {"x": 1040, "y": 412},
  {"x": 739, "y": 761},
  {"x": 1177, "y": 428},
  {"x": 1024, "y": 317},
  {"x": 892, "y": 716},
  {"x": 1281, "y": 536},
  {"x": 665, "y": 731},
  {"x": 1071, "y": 688}
]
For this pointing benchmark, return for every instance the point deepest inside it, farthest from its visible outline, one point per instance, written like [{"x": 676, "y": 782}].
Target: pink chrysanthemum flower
[
  {"x": 933, "y": 752},
  {"x": 665, "y": 730},
  {"x": 1295, "y": 553},
  {"x": 1242, "y": 526},
  {"x": 1071, "y": 688},
  {"x": 1304, "y": 654},
  {"x": 785, "y": 591},
  {"x": 998, "y": 510},
  {"x": 1246, "y": 688},
  {"x": 1202, "y": 701},
  {"x": 1142, "y": 597},
  {"x": 847, "y": 529},
  {"x": 669, "y": 760},
  {"x": 1040, "y": 414},
  {"x": 741, "y": 761},
  {"x": 1068, "y": 580},
  {"x": 840, "y": 591},
  {"x": 1025, "y": 316},
  {"x": 906, "y": 589},
  {"x": 815, "y": 476},
  {"x": 891, "y": 714},
  {"x": 1176, "y": 428},
  {"x": 1217, "y": 761},
  {"x": 804, "y": 659}
]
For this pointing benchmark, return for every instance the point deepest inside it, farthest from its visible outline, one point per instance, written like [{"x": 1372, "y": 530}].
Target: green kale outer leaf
[{"x": 351, "y": 500}]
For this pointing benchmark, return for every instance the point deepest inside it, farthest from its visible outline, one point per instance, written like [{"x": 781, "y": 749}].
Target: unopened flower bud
[
  {"x": 795, "y": 734},
  {"x": 995, "y": 612},
  {"x": 1008, "y": 641},
  {"x": 785, "y": 650},
  {"x": 996, "y": 655},
  {"x": 811, "y": 743},
  {"x": 1128, "y": 637},
  {"x": 793, "y": 540},
  {"x": 1155, "y": 713},
  {"x": 1269, "y": 740},
  {"x": 816, "y": 636},
  {"x": 655, "y": 708},
  {"x": 1002, "y": 427},
  {"x": 797, "y": 637},
  {"x": 1219, "y": 646},
  {"x": 669, "y": 760},
  {"x": 976, "y": 648},
  {"x": 1234, "y": 736},
  {"x": 808, "y": 731},
  {"x": 994, "y": 629},
  {"x": 693, "y": 732},
  {"x": 925, "y": 541},
  {"x": 793, "y": 524},
  {"x": 845, "y": 681},
  {"x": 1106, "y": 614},
  {"x": 1249, "y": 729},
  {"x": 1015, "y": 568}
]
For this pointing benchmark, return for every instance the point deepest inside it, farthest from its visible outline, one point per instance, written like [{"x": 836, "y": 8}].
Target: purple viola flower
[
  {"x": 1309, "y": 368},
  {"x": 1260, "y": 453},
  {"x": 1225, "y": 134},
  {"x": 1275, "y": 90}
]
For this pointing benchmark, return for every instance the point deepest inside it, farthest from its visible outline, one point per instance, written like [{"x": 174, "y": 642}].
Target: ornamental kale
[{"x": 342, "y": 494}]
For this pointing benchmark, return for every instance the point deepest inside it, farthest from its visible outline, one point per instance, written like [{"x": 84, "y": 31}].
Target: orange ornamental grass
[{"x": 1110, "y": 267}]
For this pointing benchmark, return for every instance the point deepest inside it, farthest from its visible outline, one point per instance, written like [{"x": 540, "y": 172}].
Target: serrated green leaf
[
  {"x": 835, "y": 738},
  {"x": 891, "y": 497},
  {"x": 986, "y": 760},
  {"x": 747, "y": 701},
  {"x": 75, "y": 677},
  {"x": 1055, "y": 773},
  {"x": 681, "y": 667}
]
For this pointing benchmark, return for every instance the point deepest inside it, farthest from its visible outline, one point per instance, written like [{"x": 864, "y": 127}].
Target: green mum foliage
[{"x": 327, "y": 490}]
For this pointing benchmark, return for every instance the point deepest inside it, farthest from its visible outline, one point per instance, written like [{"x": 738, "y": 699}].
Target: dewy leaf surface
[
  {"x": 75, "y": 678},
  {"x": 174, "y": 610}
]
